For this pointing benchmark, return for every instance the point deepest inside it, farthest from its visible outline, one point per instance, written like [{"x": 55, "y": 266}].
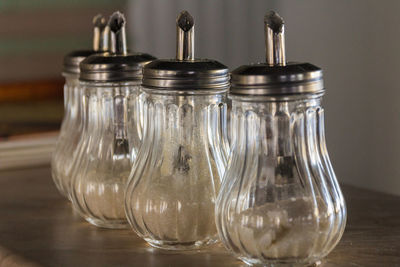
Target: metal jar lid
[
  {"x": 276, "y": 77},
  {"x": 117, "y": 65},
  {"x": 109, "y": 67},
  {"x": 185, "y": 73},
  {"x": 100, "y": 44}
]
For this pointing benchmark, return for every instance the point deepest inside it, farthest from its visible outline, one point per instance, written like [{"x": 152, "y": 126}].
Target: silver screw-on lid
[
  {"x": 185, "y": 73},
  {"x": 100, "y": 44},
  {"x": 117, "y": 65},
  {"x": 276, "y": 77}
]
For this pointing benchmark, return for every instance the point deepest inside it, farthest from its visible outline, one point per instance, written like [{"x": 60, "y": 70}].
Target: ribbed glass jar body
[
  {"x": 171, "y": 193},
  {"x": 108, "y": 148},
  {"x": 70, "y": 134},
  {"x": 280, "y": 203}
]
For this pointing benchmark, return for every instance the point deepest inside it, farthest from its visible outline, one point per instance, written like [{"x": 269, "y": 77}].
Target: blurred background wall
[
  {"x": 34, "y": 35},
  {"x": 354, "y": 41}
]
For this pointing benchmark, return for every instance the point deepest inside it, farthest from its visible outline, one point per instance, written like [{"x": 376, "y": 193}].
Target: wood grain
[{"x": 38, "y": 227}]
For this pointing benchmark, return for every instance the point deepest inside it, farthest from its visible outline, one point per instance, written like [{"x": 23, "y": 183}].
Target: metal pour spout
[
  {"x": 99, "y": 23},
  {"x": 275, "y": 39},
  {"x": 105, "y": 39},
  {"x": 184, "y": 36},
  {"x": 116, "y": 26}
]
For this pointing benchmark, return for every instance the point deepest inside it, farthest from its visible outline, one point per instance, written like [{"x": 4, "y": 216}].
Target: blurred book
[
  {"x": 30, "y": 107},
  {"x": 30, "y": 117},
  {"x": 24, "y": 151}
]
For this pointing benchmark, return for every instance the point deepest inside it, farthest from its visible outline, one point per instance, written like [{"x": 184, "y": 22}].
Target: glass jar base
[
  {"x": 172, "y": 245},
  {"x": 277, "y": 263},
  {"x": 121, "y": 224}
]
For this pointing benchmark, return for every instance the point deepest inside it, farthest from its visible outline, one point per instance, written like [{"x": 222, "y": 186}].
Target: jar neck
[
  {"x": 179, "y": 99},
  {"x": 272, "y": 105},
  {"x": 71, "y": 80},
  {"x": 72, "y": 97},
  {"x": 275, "y": 127},
  {"x": 192, "y": 92},
  {"x": 105, "y": 85},
  {"x": 108, "y": 107}
]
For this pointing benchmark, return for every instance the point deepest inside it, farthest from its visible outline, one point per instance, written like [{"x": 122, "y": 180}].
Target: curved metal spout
[
  {"x": 99, "y": 23},
  {"x": 275, "y": 39},
  {"x": 118, "y": 34},
  {"x": 184, "y": 36}
]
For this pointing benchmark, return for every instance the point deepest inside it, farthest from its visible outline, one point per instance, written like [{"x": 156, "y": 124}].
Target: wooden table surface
[{"x": 38, "y": 228}]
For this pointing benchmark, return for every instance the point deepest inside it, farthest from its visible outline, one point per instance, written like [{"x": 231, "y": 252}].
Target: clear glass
[
  {"x": 70, "y": 134},
  {"x": 280, "y": 203},
  {"x": 108, "y": 148},
  {"x": 171, "y": 193}
]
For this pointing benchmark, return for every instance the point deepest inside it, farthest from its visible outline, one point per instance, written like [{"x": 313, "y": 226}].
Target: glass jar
[
  {"x": 280, "y": 203},
  {"x": 111, "y": 138},
  {"x": 109, "y": 148},
  {"x": 171, "y": 193},
  {"x": 72, "y": 124},
  {"x": 69, "y": 134}
]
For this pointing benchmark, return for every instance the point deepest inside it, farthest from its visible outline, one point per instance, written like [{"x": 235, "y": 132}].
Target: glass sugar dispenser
[
  {"x": 280, "y": 203},
  {"x": 171, "y": 193},
  {"x": 72, "y": 124},
  {"x": 111, "y": 84}
]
